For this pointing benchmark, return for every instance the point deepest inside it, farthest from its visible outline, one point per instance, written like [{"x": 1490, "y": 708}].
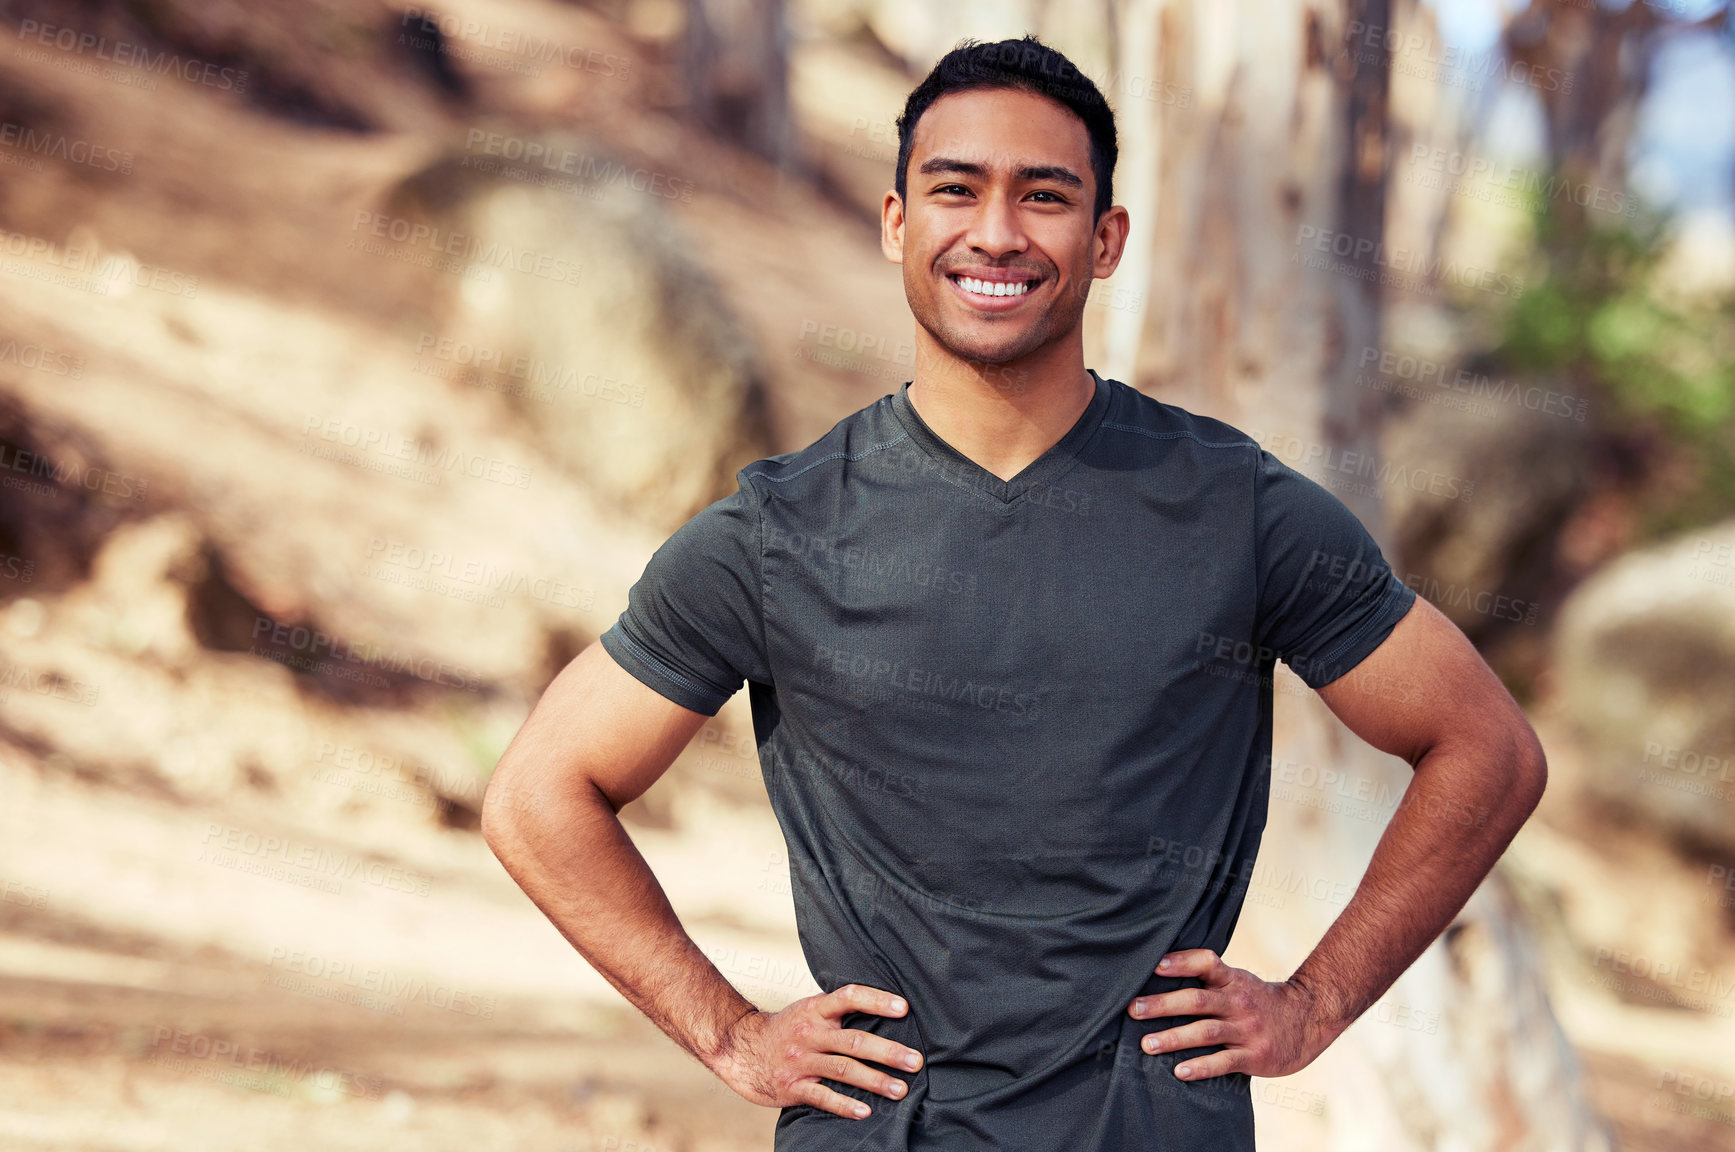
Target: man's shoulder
[
  {"x": 1139, "y": 416},
  {"x": 864, "y": 432}
]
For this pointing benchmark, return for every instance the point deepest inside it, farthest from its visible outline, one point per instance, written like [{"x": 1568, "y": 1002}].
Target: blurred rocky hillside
[{"x": 354, "y": 357}]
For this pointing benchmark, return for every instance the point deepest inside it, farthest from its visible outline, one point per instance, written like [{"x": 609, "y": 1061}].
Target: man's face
[{"x": 996, "y": 233}]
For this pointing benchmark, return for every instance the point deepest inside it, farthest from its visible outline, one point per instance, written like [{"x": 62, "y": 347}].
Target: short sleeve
[
  {"x": 1327, "y": 597},
  {"x": 693, "y": 628}
]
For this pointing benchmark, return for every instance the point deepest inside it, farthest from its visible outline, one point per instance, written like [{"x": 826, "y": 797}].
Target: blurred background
[{"x": 355, "y": 356}]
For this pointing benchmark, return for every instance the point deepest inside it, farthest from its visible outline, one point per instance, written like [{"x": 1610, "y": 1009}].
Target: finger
[
  {"x": 1198, "y": 1034},
  {"x": 1180, "y": 1002},
  {"x": 861, "y": 998},
  {"x": 817, "y": 1094},
  {"x": 1189, "y": 962},
  {"x": 834, "y": 1066},
  {"x": 866, "y": 1046},
  {"x": 1216, "y": 1064}
]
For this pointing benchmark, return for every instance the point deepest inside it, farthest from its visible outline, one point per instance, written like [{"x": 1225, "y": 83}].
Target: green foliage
[{"x": 1659, "y": 366}]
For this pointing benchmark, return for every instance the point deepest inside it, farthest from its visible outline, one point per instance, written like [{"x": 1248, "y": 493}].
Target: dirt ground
[{"x": 243, "y": 899}]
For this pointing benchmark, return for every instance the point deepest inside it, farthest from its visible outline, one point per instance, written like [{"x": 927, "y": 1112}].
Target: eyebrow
[{"x": 1054, "y": 172}]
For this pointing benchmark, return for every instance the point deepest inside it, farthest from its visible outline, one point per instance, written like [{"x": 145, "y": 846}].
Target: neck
[{"x": 1001, "y": 416}]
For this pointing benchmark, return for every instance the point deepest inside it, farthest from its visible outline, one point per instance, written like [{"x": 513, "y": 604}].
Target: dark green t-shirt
[{"x": 1017, "y": 734}]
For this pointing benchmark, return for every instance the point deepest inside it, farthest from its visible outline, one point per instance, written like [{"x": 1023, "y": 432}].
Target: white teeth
[{"x": 993, "y": 287}]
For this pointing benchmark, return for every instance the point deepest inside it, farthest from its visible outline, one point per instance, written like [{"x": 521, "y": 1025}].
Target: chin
[{"x": 993, "y": 351}]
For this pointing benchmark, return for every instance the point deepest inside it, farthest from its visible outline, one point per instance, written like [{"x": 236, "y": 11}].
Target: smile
[
  {"x": 991, "y": 294},
  {"x": 993, "y": 287}
]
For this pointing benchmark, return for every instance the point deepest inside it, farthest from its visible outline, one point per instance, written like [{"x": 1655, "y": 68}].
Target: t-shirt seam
[
  {"x": 994, "y": 500},
  {"x": 1258, "y": 551},
  {"x": 1182, "y": 434},
  {"x": 1394, "y": 591},
  {"x": 764, "y": 633},
  {"x": 651, "y": 660},
  {"x": 832, "y": 456}
]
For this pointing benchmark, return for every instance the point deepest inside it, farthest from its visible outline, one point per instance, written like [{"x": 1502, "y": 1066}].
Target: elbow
[
  {"x": 500, "y": 817},
  {"x": 1529, "y": 770}
]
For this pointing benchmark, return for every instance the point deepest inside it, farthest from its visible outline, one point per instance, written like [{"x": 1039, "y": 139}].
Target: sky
[{"x": 1683, "y": 152}]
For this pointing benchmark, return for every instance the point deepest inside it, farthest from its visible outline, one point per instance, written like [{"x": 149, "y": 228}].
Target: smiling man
[{"x": 1009, "y": 636}]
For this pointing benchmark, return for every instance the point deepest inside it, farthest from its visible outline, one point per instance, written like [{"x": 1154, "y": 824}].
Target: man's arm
[
  {"x": 1426, "y": 695},
  {"x": 597, "y": 740}
]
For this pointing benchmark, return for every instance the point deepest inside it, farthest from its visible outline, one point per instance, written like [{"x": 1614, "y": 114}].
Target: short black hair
[{"x": 1032, "y": 66}]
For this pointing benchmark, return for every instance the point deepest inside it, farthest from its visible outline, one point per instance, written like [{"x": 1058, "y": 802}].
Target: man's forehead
[{"x": 1035, "y": 132}]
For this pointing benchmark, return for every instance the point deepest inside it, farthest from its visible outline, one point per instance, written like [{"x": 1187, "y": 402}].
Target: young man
[{"x": 1008, "y": 636}]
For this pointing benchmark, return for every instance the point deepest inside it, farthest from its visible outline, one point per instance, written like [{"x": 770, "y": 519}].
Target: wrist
[
  {"x": 1324, "y": 1015},
  {"x": 721, "y": 1051}
]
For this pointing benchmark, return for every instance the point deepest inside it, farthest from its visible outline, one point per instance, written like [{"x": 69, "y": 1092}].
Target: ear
[
  {"x": 1110, "y": 242},
  {"x": 892, "y": 227}
]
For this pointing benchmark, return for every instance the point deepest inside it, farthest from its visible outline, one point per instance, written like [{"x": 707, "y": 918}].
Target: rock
[
  {"x": 615, "y": 348},
  {"x": 1645, "y": 659}
]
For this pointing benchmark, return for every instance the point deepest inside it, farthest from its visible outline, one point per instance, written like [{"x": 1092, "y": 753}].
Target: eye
[
  {"x": 1055, "y": 197},
  {"x": 952, "y": 189}
]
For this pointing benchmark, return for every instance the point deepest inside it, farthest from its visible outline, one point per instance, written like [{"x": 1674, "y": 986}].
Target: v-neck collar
[{"x": 1044, "y": 469}]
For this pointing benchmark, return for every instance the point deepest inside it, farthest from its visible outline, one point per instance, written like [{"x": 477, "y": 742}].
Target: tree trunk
[
  {"x": 737, "y": 57},
  {"x": 1271, "y": 119}
]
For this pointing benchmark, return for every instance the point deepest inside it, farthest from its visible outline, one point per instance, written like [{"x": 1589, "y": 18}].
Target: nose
[{"x": 995, "y": 230}]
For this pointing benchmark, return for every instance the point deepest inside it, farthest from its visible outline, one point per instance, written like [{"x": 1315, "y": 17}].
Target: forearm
[
  {"x": 1461, "y": 810},
  {"x": 576, "y": 862}
]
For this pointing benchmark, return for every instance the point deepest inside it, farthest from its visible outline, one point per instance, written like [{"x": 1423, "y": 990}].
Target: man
[{"x": 1009, "y": 635}]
